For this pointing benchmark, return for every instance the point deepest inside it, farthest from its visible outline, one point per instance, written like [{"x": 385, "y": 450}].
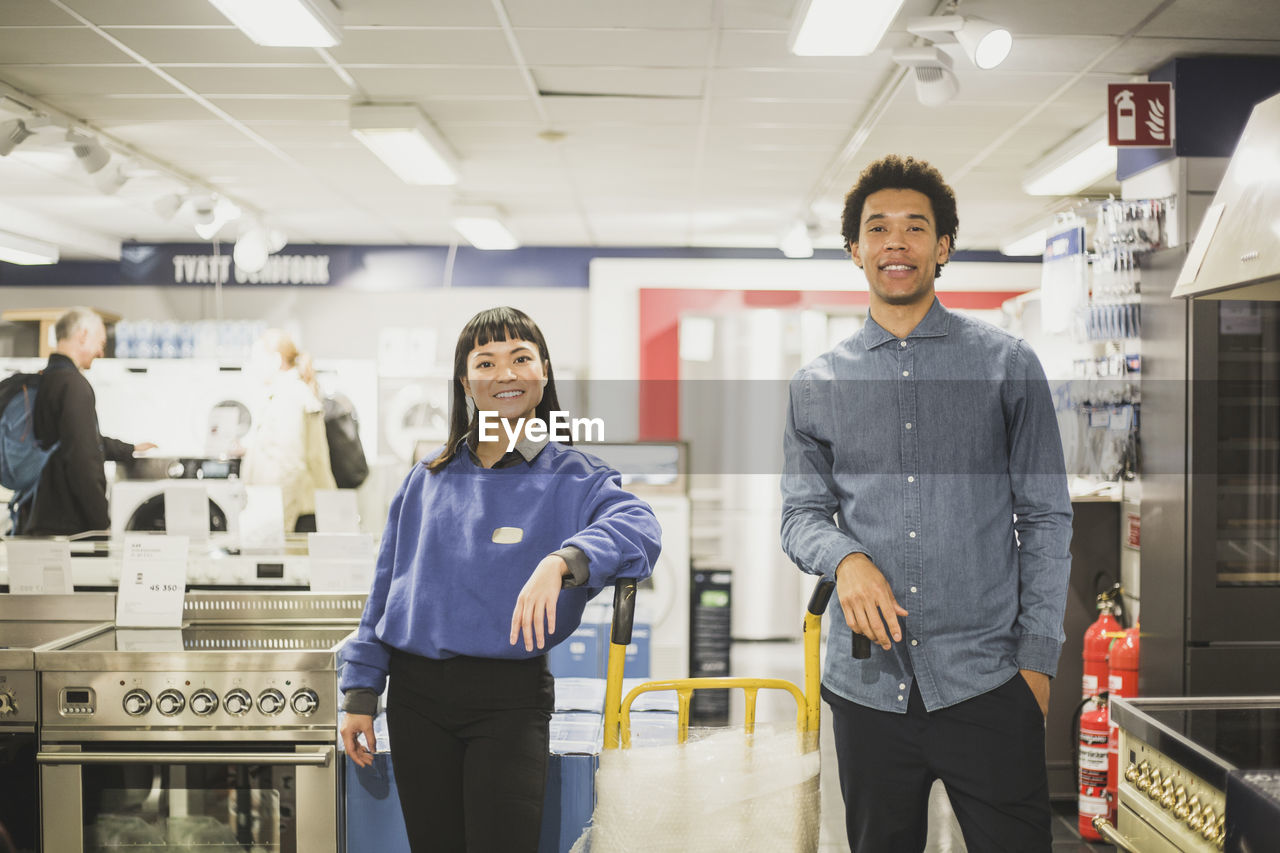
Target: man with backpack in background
[{"x": 71, "y": 495}]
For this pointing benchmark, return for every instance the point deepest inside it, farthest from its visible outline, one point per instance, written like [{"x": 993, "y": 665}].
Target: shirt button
[
  {"x": 902, "y": 343},
  {"x": 915, "y": 642},
  {"x": 902, "y": 686},
  {"x": 912, "y": 534},
  {"x": 899, "y": 697},
  {"x": 906, "y": 373},
  {"x": 911, "y": 479},
  {"x": 913, "y": 589},
  {"x": 908, "y": 424}
]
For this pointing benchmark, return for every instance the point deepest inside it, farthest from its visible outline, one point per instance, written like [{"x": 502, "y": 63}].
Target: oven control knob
[
  {"x": 8, "y": 704},
  {"x": 137, "y": 702},
  {"x": 170, "y": 702},
  {"x": 1168, "y": 800},
  {"x": 270, "y": 701},
  {"x": 1131, "y": 773},
  {"x": 305, "y": 701},
  {"x": 237, "y": 701},
  {"x": 204, "y": 702}
]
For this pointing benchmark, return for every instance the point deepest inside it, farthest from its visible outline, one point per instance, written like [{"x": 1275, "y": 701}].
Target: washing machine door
[{"x": 149, "y": 517}]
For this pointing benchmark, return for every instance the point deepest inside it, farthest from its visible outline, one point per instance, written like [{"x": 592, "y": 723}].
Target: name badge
[{"x": 507, "y": 535}]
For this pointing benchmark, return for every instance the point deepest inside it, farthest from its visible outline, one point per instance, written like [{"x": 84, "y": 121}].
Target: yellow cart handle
[{"x": 617, "y": 712}]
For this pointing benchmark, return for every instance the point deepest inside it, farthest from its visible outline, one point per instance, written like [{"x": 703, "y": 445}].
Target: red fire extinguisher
[
  {"x": 1093, "y": 798},
  {"x": 1122, "y": 681},
  {"x": 1097, "y": 643}
]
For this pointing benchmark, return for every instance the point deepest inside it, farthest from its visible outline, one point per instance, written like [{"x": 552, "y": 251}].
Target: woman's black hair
[
  {"x": 902, "y": 173},
  {"x": 494, "y": 324}
]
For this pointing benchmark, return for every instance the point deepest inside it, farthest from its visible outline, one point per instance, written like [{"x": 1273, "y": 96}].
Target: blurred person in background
[
  {"x": 72, "y": 495},
  {"x": 286, "y": 445}
]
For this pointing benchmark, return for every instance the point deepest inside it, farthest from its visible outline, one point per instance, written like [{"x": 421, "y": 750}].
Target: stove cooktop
[
  {"x": 1247, "y": 738},
  {"x": 215, "y": 638},
  {"x": 19, "y": 637}
]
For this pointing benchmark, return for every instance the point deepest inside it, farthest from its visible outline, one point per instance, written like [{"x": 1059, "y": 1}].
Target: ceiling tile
[
  {"x": 57, "y": 46},
  {"x": 416, "y": 13},
  {"x": 424, "y": 47},
  {"x": 477, "y": 110},
  {"x": 777, "y": 83},
  {"x": 752, "y": 111},
  {"x": 35, "y": 13},
  {"x": 758, "y": 14},
  {"x": 261, "y": 80},
  {"x": 125, "y": 109},
  {"x": 169, "y": 13},
  {"x": 652, "y": 82},
  {"x": 639, "y": 48},
  {"x": 1217, "y": 20},
  {"x": 410, "y": 82},
  {"x": 294, "y": 107},
  {"x": 101, "y": 80},
  {"x": 590, "y": 13},
  {"x": 630, "y": 110}
]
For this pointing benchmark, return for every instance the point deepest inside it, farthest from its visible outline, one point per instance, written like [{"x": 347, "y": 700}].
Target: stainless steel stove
[
  {"x": 27, "y": 623},
  {"x": 221, "y": 732},
  {"x": 1176, "y": 757}
]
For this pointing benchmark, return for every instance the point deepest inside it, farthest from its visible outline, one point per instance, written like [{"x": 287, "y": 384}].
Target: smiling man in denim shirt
[{"x": 925, "y": 474}]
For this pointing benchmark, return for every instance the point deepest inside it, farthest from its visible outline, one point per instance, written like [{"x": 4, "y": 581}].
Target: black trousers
[
  {"x": 470, "y": 739},
  {"x": 988, "y": 751}
]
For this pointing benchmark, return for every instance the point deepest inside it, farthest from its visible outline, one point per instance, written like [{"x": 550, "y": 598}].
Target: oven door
[
  {"x": 217, "y": 797},
  {"x": 19, "y": 821}
]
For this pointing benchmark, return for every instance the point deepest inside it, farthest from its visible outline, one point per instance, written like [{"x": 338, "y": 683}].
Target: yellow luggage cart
[{"x": 788, "y": 775}]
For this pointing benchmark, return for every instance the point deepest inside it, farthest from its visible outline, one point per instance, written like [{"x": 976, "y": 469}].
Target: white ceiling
[{"x": 685, "y": 122}]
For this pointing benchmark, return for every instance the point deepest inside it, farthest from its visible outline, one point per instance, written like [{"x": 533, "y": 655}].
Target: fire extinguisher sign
[{"x": 1140, "y": 115}]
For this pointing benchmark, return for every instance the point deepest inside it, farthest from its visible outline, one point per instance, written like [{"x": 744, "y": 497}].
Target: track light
[
  {"x": 12, "y": 133},
  {"x": 254, "y": 246},
  {"x": 211, "y": 213},
  {"x": 89, "y": 151},
  {"x": 986, "y": 44},
  {"x": 935, "y": 82}
]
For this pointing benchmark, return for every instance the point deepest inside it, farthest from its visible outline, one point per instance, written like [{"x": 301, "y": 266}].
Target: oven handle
[
  {"x": 320, "y": 758},
  {"x": 1111, "y": 835}
]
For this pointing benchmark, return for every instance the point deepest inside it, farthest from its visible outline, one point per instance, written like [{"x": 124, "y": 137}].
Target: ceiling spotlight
[
  {"x": 796, "y": 242},
  {"x": 211, "y": 213},
  {"x": 250, "y": 252},
  {"x": 936, "y": 83},
  {"x": 12, "y": 133},
  {"x": 986, "y": 44},
  {"x": 111, "y": 179},
  {"x": 89, "y": 151}
]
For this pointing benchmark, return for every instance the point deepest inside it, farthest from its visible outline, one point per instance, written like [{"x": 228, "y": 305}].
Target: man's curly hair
[{"x": 901, "y": 173}]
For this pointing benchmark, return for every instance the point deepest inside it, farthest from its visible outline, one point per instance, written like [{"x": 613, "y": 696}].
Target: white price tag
[
  {"x": 262, "y": 520},
  {"x": 336, "y": 511},
  {"x": 340, "y": 562},
  {"x": 152, "y": 582},
  {"x": 186, "y": 511},
  {"x": 37, "y": 568}
]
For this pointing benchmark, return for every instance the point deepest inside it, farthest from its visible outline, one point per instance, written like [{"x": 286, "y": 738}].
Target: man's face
[
  {"x": 898, "y": 246},
  {"x": 91, "y": 341}
]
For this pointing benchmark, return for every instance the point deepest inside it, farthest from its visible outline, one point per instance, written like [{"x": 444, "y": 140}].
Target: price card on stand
[
  {"x": 186, "y": 512},
  {"x": 152, "y": 582},
  {"x": 40, "y": 567},
  {"x": 340, "y": 562}
]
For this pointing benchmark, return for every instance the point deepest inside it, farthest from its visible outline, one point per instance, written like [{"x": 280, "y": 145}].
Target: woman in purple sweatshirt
[{"x": 493, "y": 546}]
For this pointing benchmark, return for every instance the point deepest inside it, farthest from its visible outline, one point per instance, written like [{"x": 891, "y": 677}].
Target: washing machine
[
  {"x": 138, "y": 505},
  {"x": 413, "y": 413}
]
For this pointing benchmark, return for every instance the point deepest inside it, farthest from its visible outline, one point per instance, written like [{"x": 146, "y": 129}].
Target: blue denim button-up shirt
[{"x": 939, "y": 457}]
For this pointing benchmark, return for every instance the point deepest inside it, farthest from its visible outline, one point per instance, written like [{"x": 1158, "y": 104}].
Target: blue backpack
[{"x": 21, "y": 456}]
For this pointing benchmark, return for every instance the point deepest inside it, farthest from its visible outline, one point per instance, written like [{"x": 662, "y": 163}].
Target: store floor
[{"x": 786, "y": 660}]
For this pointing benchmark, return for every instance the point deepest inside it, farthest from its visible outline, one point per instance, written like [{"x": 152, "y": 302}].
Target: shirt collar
[
  {"x": 528, "y": 449},
  {"x": 934, "y": 324}
]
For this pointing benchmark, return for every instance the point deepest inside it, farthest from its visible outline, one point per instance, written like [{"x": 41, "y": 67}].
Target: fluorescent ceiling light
[
  {"x": 841, "y": 27},
  {"x": 1080, "y": 162},
  {"x": 16, "y": 249},
  {"x": 285, "y": 23},
  {"x": 1028, "y": 245},
  {"x": 796, "y": 243},
  {"x": 482, "y": 227},
  {"x": 406, "y": 141},
  {"x": 986, "y": 44}
]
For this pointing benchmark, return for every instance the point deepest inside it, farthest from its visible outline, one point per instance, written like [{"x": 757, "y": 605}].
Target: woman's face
[{"x": 506, "y": 377}]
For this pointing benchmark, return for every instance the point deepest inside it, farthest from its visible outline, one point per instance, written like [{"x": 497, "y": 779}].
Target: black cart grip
[
  {"x": 624, "y": 611},
  {"x": 818, "y": 606}
]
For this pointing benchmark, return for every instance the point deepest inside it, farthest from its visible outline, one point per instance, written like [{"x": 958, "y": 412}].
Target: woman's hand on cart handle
[
  {"x": 867, "y": 601},
  {"x": 359, "y": 724},
  {"x": 535, "y": 613}
]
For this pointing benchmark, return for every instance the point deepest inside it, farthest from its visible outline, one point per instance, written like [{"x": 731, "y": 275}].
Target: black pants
[
  {"x": 469, "y": 740},
  {"x": 988, "y": 751}
]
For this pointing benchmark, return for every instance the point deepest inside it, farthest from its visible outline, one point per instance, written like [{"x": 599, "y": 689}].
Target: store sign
[
  {"x": 180, "y": 264},
  {"x": 1140, "y": 115}
]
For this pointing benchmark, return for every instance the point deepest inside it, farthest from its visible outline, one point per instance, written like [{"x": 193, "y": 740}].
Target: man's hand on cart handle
[
  {"x": 359, "y": 724},
  {"x": 535, "y": 613},
  {"x": 867, "y": 600}
]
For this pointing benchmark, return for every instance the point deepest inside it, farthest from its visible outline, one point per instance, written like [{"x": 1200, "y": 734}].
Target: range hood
[{"x": 1236, "y": 254}]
